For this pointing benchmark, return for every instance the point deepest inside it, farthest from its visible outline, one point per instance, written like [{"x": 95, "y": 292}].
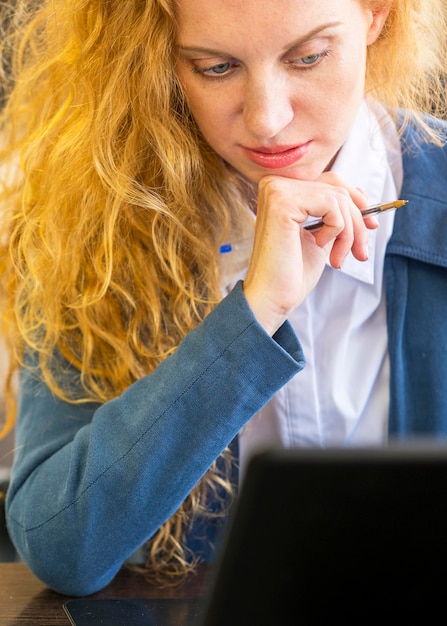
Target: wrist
[{"x": 269, "y": 316}]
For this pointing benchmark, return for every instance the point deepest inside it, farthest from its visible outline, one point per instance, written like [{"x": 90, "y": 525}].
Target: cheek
[
  {"x": 190, "y": 92},
  {"x": 198, "y": 107},
  {"x": 210, "y": 114},
  {"x": 199, "y": 104},
  {"x": 346, "y": 92}
]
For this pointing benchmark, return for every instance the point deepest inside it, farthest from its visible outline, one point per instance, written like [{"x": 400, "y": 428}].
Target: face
[{"x": 274, "y": 85}]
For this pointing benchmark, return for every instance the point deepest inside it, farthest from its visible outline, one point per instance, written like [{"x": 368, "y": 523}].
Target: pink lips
[{"x": 278, "y": 157}]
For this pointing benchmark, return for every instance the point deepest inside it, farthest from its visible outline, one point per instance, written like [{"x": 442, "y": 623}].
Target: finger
[
  {"x": 371, "y": 222},
  {"x": 345, "y": 240},
  {"x": 341, "y": 220},
  {"x": 360, "y": 235},
  {"x": 357, "y": 202},
  {"x": 357, "y": 194}
]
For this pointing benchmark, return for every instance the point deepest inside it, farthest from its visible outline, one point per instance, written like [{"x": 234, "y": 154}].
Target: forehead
[{"x": 250, "y": 18}]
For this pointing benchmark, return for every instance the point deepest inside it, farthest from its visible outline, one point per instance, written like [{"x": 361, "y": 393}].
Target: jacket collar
[{"x": 420, "y": 229}]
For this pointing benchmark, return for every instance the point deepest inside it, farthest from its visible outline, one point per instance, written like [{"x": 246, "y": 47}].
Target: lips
[{"x": 277, "y": 157}]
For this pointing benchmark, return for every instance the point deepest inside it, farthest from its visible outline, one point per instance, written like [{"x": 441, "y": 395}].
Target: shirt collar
[{"x": 371, "y": 159}]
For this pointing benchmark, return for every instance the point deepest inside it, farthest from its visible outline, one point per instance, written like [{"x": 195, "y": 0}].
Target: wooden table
[{"x": 26, "y": 600}]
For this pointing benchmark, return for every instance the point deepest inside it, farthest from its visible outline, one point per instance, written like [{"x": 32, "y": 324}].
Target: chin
[
  {"x": 302, "y": 173},
  {"x": 307, "y": 171}
]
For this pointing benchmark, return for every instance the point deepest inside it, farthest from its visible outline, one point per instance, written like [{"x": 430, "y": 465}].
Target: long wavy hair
[{"x": 113, "y": 206}]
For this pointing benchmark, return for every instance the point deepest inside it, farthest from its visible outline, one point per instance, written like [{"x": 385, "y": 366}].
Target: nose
[{"x": 268, "y": 107}]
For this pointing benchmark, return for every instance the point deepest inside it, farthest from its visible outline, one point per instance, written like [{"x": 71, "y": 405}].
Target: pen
[
  {"x": 372, "y": 210},
  {"x": 242, "y": 244}
]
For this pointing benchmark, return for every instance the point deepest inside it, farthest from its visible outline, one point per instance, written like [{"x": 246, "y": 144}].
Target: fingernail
[
  {"x": 343, "y": 262},
  {"x": 366, "y": 252}
]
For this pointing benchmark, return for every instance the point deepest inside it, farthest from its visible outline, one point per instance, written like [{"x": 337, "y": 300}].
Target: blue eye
[
  {"x": 221, "y": 68},
  {"x": 310, "y": 59}
]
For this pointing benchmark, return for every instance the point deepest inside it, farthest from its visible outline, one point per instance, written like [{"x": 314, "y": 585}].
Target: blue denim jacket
[
  {"x": 416, "y": 294},
  {"x": 90, "y": 484}
]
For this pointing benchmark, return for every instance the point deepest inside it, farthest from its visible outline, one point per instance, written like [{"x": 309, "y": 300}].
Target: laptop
[{"x": 356, "y": 536}]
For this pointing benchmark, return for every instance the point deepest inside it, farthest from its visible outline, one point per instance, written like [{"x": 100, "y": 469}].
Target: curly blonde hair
[
  {"x": 112, "y": 204},
  {"x": 407, "y": 65}
]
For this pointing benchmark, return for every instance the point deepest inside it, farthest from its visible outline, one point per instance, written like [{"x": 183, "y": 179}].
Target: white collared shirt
[{"x": 342, "y": 395}]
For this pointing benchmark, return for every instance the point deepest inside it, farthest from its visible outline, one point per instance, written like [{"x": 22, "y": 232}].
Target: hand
[{"x": 287, "y": 260}]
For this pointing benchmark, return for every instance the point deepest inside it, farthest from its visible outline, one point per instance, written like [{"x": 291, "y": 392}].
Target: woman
[{"x": 148, "y": 134}]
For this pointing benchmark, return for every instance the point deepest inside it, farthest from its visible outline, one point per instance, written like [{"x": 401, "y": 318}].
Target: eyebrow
[{"x": 296, "y": 43}]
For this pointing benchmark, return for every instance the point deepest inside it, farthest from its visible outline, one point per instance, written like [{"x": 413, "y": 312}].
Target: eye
[
  {"x": 220, "y": 70},
  {"x": 309, "y": 60}
]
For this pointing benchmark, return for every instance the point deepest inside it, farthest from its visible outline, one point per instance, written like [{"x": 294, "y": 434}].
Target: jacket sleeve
[{"x": 91, "y": 484}]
